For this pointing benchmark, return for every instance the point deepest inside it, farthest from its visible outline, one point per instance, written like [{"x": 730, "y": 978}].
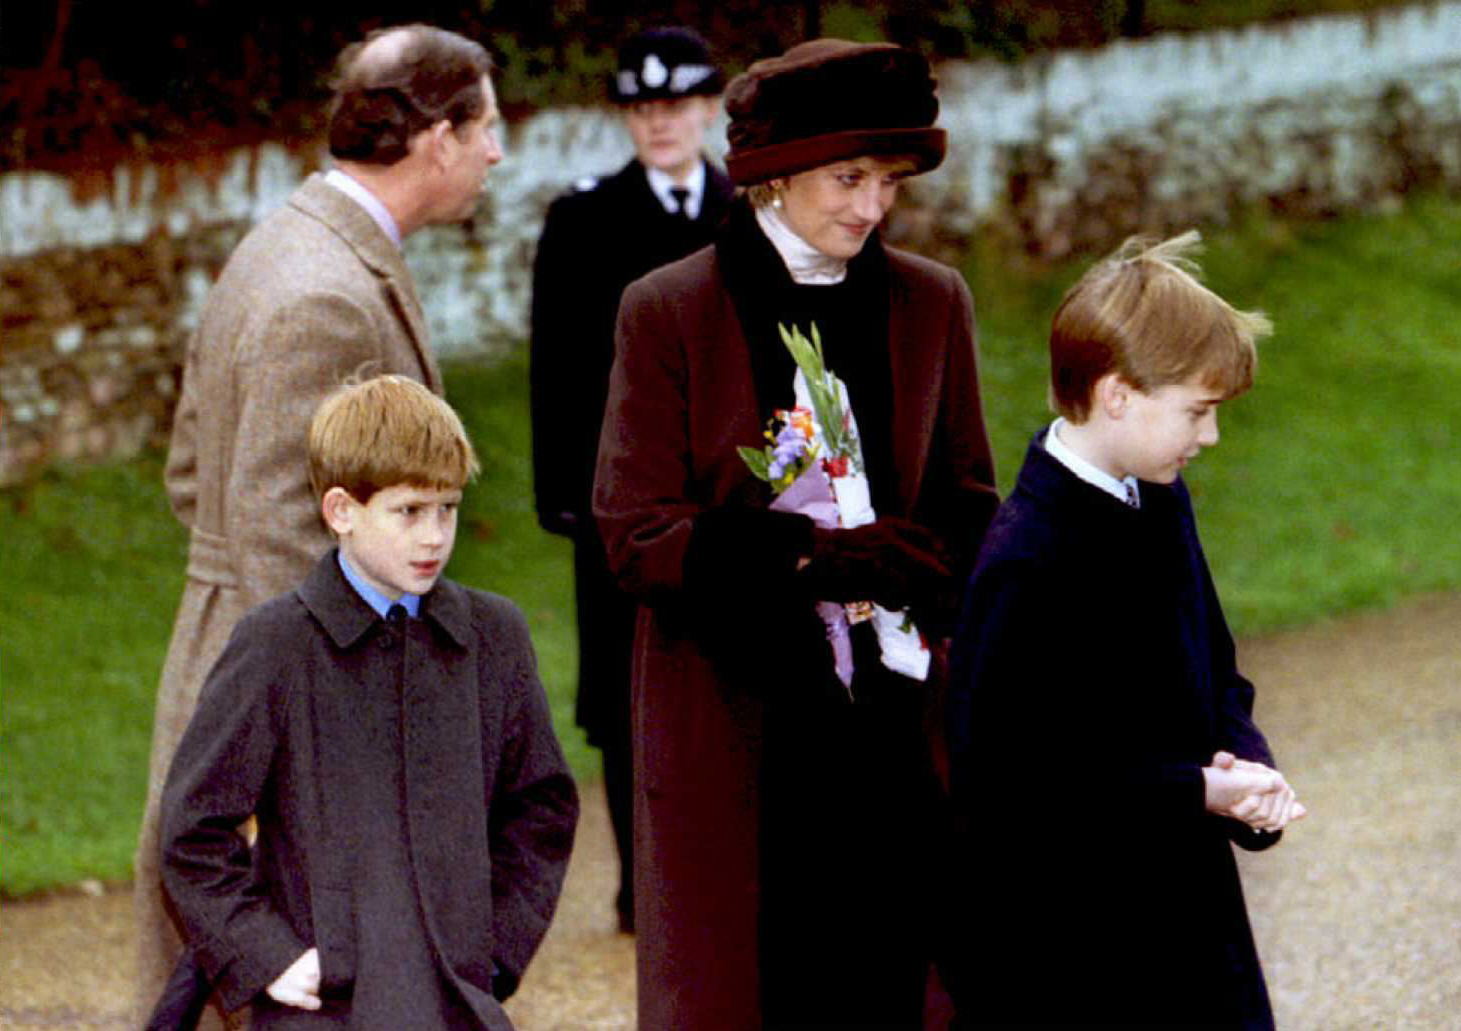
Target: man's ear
[
  {"x": 432, "y": 144},
  {"x": 337, "y": 508}
]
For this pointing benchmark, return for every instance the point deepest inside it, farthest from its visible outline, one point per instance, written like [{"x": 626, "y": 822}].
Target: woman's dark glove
[
  {"x": 892, "y": 561},
  {"x": 741, "y": 584},
  {"x": 746, "y": 553}
]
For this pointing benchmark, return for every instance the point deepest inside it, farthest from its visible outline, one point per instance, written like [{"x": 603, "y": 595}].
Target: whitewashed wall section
[{"x": 1322, "y": 114}]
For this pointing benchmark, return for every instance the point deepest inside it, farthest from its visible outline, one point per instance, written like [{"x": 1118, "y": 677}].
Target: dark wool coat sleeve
[
  {"x": 534, "y": 808},
  {"x": 235, "y": 924},
  {"x": 645, "y": 483},
  {"x": 1237, "y": 729}
]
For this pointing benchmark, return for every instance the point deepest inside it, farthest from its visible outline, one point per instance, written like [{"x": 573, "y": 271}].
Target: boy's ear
[
  {"x": 1112, "y": 395},
  {"x": 338, "y": 508}
]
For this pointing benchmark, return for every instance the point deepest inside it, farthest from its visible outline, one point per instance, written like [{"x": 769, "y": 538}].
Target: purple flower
[
  {"x": 790, "y": 448},
  {"x": 790, "y": 442}
]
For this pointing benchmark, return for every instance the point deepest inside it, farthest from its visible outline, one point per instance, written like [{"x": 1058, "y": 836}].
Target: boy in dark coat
[
  {"x": 388, "y": 732},
  {"x": 597, "y": 239},
  {"x": 1094, "y": 680}
]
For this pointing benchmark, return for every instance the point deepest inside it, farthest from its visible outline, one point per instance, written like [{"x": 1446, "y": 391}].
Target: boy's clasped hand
[{"x": 1250, "y": 792}]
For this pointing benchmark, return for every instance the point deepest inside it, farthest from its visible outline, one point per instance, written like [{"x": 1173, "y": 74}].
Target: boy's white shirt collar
[
  {"x": 375, "y": 599},
  {"x": 1124, "y": 490},
  {"x": 662, "y": 183},
  {"x": 353, "y": 189},
  {"x": 807, "y": 265}
]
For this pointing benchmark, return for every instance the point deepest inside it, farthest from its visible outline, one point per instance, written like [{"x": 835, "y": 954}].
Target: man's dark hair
[{"x": 388, "y": 92}]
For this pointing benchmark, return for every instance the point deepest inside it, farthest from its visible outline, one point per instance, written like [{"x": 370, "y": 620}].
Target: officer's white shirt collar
[
  {"x": 662, "y": 183},
  {"x": 353, "y": 189},
  {"x": 1123, "y": 490},
  {"x": 806, "y": 264}
]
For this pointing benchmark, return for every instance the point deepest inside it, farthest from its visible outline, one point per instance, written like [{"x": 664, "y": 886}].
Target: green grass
[
  {"x": 93, "y": 568},
  {"x": 1336, "y": 487}
]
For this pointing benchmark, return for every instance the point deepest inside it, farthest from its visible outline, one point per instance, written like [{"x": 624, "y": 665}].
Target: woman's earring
[{"x": 776, "y": 200}]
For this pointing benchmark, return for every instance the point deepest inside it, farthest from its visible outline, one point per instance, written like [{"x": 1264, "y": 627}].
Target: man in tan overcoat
[{"x": 316, "y": 292}]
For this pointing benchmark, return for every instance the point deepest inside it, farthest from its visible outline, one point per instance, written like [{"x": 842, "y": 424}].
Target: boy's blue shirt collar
[
  {"x": 338, "y": 607},
  {"x": 375, "y": 599}
]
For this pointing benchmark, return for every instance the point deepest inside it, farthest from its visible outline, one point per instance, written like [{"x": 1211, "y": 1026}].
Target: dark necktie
[
  {"x": 395, "y": 631},
  {"x": 682, "y": 199}
]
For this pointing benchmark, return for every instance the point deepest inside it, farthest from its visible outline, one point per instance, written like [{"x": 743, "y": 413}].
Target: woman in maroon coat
[{"x": 788, "y": 821}]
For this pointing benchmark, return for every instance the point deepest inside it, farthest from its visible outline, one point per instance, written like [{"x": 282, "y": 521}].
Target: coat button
[{"x": 387, "y": 641}]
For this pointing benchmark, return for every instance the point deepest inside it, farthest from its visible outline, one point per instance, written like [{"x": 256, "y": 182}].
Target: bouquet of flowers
[
  {"x": 792, "y": 450},
  {"x": 814, "y": 465}
]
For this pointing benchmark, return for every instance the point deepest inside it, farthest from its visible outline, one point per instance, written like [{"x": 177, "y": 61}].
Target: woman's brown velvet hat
[{"x": 830, "y": 100}]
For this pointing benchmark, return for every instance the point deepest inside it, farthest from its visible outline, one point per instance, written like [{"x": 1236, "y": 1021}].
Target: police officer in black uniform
[{"x": 597, "y": 239}]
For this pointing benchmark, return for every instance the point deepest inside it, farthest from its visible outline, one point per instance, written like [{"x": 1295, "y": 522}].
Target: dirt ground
[{"x": 1357, "y": 913}]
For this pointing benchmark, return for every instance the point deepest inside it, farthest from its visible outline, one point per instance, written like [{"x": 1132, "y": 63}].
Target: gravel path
[{"x": 1357, "y": 913}]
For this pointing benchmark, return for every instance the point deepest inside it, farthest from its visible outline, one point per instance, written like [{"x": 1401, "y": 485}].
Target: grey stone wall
[
  {"x": 1070, "y": 151},
  {"x": 100, "y": 279},
  {"x": 90, "y": 343}
]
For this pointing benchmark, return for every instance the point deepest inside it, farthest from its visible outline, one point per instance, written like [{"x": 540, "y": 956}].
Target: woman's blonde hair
[
  {"x": 386, "y": 431},
  {"x": 1142, "y": 314}
]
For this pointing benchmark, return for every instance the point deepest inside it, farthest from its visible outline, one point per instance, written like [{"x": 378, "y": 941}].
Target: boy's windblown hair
[
  {"x": 384, "y": 432},
  {"x": 1143, "y": 314}
]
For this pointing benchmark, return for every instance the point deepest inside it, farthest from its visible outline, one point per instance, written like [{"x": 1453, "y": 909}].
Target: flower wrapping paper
[
  {"x": 902, "y": 646},
  {"x": 810, "y": 494}
]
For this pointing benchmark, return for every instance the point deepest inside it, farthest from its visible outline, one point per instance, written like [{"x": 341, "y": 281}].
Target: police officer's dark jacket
[{"x": 597, "y": 239}]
